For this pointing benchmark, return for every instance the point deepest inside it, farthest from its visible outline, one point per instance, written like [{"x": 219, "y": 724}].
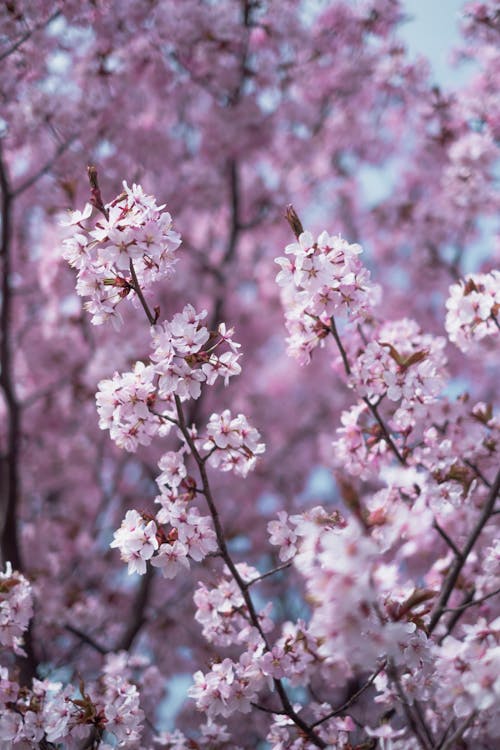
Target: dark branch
[{"x": 456, "y": 568}]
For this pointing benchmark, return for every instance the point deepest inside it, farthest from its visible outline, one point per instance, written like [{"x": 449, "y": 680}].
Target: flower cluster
[
  {"x": 135, "y": 406},
  {"x": 473, "y": 309},
  {"x": 222, "y": 612},
  {"x": 320, "y": 278},
  {"x": 133, "y": 238},
  {"x": 288, "y": 532},
  {"x": 53, "y": 713},
  {"x": 16, "y": 608},
  {"x": 230, "y": 686},
  {"x": 360, "y": 448},
  {"x": 136, "y": 540},
  {"x": 294, "y": 655},
  {"x": 467, "y": 673},
  {"x": 186, "y": 354},
  {"x": 232, "y": 443},
  {"x": 211, "y": 735},
  {"x": 123, "y": 404},
  {"x": 403, "y": 364},
  {"x": 334, "y": 732},
  {"x": 190, "y": 534},
  {"x": 348, "y": 594},
  {"x": 139, "y": 538}
]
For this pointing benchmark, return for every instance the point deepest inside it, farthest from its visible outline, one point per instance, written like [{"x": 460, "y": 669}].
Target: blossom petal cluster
[
  {"x": 136, "y": 540},
  {"x": 133, "y": 232},
  {"x": 186, "y": 355},
  {"x": 401, "y": 363},
  {"x": 222, "y": 612},
  {"x": 230, "y": 686},
  {"x": 232, "y": 443},
  {"x": 135, "y": 406},
  {"x": 319, "y": 278},
  {"x": 50, "y": 712},
  {"x": 16, "y": 608},
  {"x": 473, "y": 309}
]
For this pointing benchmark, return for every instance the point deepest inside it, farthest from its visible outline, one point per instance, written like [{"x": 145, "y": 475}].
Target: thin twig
[
  {"x": 268, "y": 710},
  {"x": 477, "y": 471},
  {"x": 372, "y": 407},
  {"x": 412, "y": 721},
  {"x": 30, "y": 181},
  {"x": 442, "y": 533},
  {"x": 473, "y": 602},
  {"x": 266, "y": 575},
  {"x": 142, "y": 299},
  {"x": 340, "y": 346},
  {"x": 457, "y": 614},
  {"x": 456, "y": 568},
  {"x": 353, "y": 698},
  {"x": 450, "y": 742},
  {"x": 137, "y": 612},
  {"x": 253, "y": 616},
  {"x": 28, "y": 34},
  {"x": 87, "y": 639}
]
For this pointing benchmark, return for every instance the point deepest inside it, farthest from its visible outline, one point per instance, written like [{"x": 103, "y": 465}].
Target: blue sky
[{"x": 433, "y": 31}]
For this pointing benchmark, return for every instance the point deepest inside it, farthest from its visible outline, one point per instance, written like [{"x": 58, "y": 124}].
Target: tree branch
[
  {"x": 30, "y": 181},
  {"x": 254, "y": 618},
  {"x": 353, "y": 698},
  {"x": 452, "y": 577},
  {"x": 372, "y": 407},
  {"x": 9, "y": 475},
  {"x": 28, "y": 34}
]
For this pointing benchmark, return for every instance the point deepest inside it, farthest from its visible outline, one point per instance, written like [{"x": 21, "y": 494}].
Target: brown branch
[
  {"x": 372, "y": 407},
  {"x": 221, "y": 540},
  {"x": 138, "y": 608},
  {"x": 340, "y": 346},
  {"x": 456, "y": 568},
  {"x": 352, "y": 699},
  {"x": 86, "y": 639},
  {"x": 442, "y": 533},
  {"x": 10, "y": 488},
  {"x": 234, "y": 192},
  {"x": 410, "y": 718},
  {"x": 266, "y": 575},
  {"x": 10, "y": 479},
  {"x": 27, "y": 35},
  {"x": 137, "y": 289},
  {"x": 30, "y": 181},
  {"x": 449, "y": 744},
  {"x": 473, "y": 602}
]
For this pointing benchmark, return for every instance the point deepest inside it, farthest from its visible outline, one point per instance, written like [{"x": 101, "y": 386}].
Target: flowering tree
[{"x": 291, "y": 529}]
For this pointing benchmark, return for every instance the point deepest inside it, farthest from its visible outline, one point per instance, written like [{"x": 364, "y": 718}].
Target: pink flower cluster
[
  {"x": 16, "y": 608},
  {"x": 467, "y": 677},
  {"x": 334, "y": 731},
  {"x": 137, "y": 405},
  {"x": 141, "y": 538},
  {"x": 136, "y": 540},
  {"x": 52, "y": 713},
  {"x": 232, "y": 444},
  {"x": 318, "y": 279},
  {"x": 211, "y": 735},
  {"x": 133, "y": 232},
  {"x": 474, "y": 309},
  {"x": 402, "y": 363},
  {"x": 222, "y": 612},
  {"x": 230, "y": 686},
  {"x": 123, "y": 404},
  {"x": 182, "y": 362},
  {"x": 287, "y": 531}
]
